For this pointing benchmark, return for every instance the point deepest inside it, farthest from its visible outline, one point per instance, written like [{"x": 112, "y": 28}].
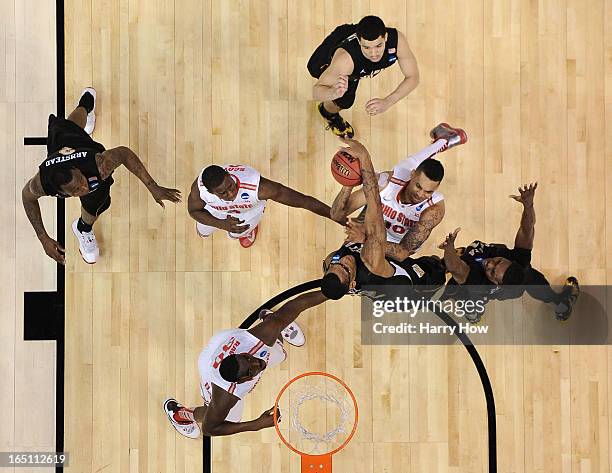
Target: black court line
[
  {"x": 61, "y": 238},
  {"x": 44, "y": 314},
  {"x": 486, "y": 387},
  {"x": 35, "y": 141},
  {"x": 447, "y": 319}
]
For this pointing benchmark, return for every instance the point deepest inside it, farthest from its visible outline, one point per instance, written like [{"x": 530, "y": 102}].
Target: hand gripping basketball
[{"x": 346, "y": 169}]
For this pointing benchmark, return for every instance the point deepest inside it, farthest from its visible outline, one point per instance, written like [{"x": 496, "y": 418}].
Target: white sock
[
  {"x": 429, "y": 151},
  {"x": 413, "y": 161}
]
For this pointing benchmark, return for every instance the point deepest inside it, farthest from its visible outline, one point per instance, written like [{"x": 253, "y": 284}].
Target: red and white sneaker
[
  {"x": 292, "y": 333},
  {"x": 248, "y": 240},
  {"x": 453, "y": 136},
  {"x": 187, "y": 428}
]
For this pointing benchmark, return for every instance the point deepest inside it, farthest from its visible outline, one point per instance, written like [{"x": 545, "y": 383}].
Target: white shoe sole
[
  {"x": 298, "y": 340},
  {"x": 90, "y": 126}
]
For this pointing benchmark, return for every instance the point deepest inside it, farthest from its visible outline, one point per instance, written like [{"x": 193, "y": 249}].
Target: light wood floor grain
[
  {"x": 188, "y": 83},
  {"x": 27, "y": 96}
]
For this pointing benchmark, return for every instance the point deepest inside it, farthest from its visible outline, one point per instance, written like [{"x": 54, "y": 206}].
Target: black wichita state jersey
[
  {"x": 363, "y": 67},
  {"x": 345, "y": 37},
  {"x": 477, "y": 285},
  {"x": 406, "y": 274},
  {"x": 83, "y": 159}
]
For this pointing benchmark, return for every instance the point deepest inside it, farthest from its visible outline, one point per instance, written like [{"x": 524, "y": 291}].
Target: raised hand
[
  {"x": 526, "y": 194},
  {"x": 354, "y": 148},
  {"x": 450, "y": 239}
]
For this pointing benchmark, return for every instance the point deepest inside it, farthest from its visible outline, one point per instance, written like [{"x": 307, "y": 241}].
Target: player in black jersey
[
  {"x": 356, "y": 265},
  {"x": 493, "y": 271},
  {"x": 350, "y": 53},
  {"x": 77, "y": 166}
]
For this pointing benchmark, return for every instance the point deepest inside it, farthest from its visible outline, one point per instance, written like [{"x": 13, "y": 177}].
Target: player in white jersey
[
  {"x": 233, "y": 198},
  {"x": 411, "y": 204},
  {"x": 231, "y": 366},
  {"x": 364, "y": 266}
]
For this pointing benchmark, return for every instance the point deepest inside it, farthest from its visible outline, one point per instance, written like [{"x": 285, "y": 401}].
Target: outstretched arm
[
  {"x": 269, "y": 330},
  {"x": 214, "y": 423},
  {"x": 526, "y": 232},
  {"x": 30, "y": 194},
  {"x": 285, "y": 195},
  {"x": 348, "y": 200},
  {"x": 415, "y": 237},
  {"x": 111, "y": 159},
  {"x": 345, "y": 203},
  {"x": 458, "y": 268},
  {"x": 373, "y": 251},
  {"x": 408, "y": 65}
]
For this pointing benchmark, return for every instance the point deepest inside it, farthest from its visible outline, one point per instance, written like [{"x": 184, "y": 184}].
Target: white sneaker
[
  {"x": 292, "y": 333},
  {"x": 88, "y": 246},
  {"x": 187, "y": 429},
  {"x": 91, "y": 116}
]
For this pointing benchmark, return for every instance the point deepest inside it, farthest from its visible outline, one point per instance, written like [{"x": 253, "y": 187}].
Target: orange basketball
[{"x": 346, "y": 169}]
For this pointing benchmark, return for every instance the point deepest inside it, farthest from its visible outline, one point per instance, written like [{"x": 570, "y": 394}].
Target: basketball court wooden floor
[{"x": 189, "y": 83}]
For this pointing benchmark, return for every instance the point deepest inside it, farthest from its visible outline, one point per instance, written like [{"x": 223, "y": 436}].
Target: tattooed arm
[
  {"x": 30, "y": 194},
  {"x": 347, "y": 200},
  {"x": 111, "y": 159},
  {"x": 339, "y": 207},
  {"x": 373, "y": 251},
  {"x": 285, "y": 195},
  {"x": 417, "y": 235}
]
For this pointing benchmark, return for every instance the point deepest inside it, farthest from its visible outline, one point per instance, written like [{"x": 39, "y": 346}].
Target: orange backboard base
[{"x": 316, "y": 464}]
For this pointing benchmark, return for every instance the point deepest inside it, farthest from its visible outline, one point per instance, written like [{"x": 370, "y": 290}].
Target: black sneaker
[
  {"x": 338, "y": 125},
  {"x": 572, "y": 291}
]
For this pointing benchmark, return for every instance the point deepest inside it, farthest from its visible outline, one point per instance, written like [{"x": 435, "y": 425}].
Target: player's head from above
[
  {"x": 338, "y": 275},
  {"x": 372, "y": 37},
  {"x": 241, "y": 368},
  {"x": 502, "y": 271},
  {"x": 219, "y": 182},
  {"x": 69, "y": 181},
  {"x": 424, "y": 181}
]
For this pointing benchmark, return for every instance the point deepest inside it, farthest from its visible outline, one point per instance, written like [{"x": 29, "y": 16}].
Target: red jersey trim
[{"x": 256, "y": 348}]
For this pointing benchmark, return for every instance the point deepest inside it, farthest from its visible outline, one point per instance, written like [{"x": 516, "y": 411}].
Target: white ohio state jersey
[
  {"x": 246, "y": 202},
  {"x": 234, "y": 342},
  {"x": 400, "y": 217}
]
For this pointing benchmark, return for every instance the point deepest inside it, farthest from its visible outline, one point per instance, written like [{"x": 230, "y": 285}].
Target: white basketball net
[{"x": 320, "y": 412}]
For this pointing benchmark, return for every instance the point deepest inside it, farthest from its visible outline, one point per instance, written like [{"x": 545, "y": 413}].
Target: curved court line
[
  {"x": 486, "y": 387},
  {"x": 283, "y": 296},
  {"x": 447, "y": 319}
]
